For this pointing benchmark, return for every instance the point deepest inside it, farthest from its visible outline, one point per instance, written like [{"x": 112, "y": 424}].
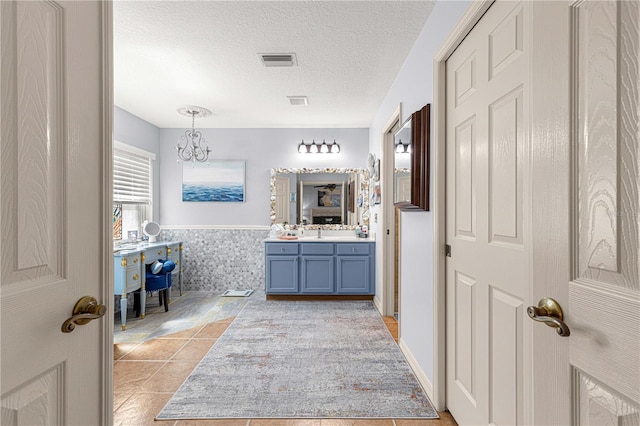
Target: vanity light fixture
[
  {"x": 314, "y": 148},
  {"x": 192, "y": 146},
  {"x": 403, "y": 148}
]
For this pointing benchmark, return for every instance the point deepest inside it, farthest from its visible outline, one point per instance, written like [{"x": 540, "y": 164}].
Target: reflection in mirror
[
  {"x": 320, "y": 198},
  {"x": 402, "y": 163}
]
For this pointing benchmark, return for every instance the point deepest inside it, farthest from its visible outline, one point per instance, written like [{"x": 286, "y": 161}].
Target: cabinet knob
[
  {"x": 168, "y": 250},
  {"x": 135, "y": 260},
  {"x": 282, "y": 249},
  {"x": 159, "y": 251},
  {"x": 353, "y": 249},
  {"x": 135, "y": 277}
]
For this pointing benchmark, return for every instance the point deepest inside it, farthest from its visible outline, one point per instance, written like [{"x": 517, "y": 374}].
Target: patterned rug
[{"x": 283, "y": 359}]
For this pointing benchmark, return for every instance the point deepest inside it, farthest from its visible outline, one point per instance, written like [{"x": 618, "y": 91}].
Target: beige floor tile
[
  {"x": 121, "y": 349},
  {"x": 194, "y": 350},
  {"x": 225, "y": 422},
  {"x": 141, "y": 409},
  {"x": 445, "y": 420},
  {"x": 213, "y": 330},
  {"x": 156, "y": 349},
  {"x": 129, "y": 376},
  {"x": 184, "y": 334},
  {"x": 285, "y": 422},
  {"x": 169, "y": 377},
  {"x": 119, "y": 399},
  {"x": 356, "y": 422}
]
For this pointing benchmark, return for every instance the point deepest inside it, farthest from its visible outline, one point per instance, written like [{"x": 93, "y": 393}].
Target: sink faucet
[{"x": 319, "y": 233}]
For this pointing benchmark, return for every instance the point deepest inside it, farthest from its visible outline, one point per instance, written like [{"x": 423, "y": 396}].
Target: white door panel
[
  {"x": 282, "y": 200},
  {"x": 487, "y": 272},
  {"x": 567, "y": 204},
  {"x": 52, "y": 248},
  {"x": 604, "y": 292}
]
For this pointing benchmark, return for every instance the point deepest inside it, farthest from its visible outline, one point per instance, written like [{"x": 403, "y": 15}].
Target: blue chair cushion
[
  {"x": 158, "y": 282},
  {"x": 169, "y": 265}
]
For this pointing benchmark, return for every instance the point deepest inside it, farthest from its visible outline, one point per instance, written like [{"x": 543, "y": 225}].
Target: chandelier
[{"x": 192, "y": 146}]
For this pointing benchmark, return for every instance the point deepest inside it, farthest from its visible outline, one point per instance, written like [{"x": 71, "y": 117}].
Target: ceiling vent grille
[
  {"x": 298, "y": 100},
  {"x": 278, "y": 59}
]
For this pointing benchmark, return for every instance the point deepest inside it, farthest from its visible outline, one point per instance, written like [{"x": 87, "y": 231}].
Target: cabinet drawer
[
  {"x": 130, "y": 260},
  {"x": 173, "y": 251},
  {"x": 134, "y": 279},
  {"x": 355, "y": 248},
  {"x": 282, "y": 248},
  {"x": 316, "y": 248},
  {"x": 154, "y": 253}
]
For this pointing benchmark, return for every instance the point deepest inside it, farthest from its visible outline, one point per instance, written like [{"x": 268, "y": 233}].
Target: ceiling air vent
[
  {"x": 298, "y": 100},
  {"x": 278, "y": 59}
]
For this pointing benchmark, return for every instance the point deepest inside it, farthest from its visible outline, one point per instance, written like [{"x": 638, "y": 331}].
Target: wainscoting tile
[{"x": 220, "y": 259}]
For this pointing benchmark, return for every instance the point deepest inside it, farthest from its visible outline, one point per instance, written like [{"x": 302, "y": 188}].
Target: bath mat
[
  {"x": 237, "y": 293},
  {"x": 306, "y": 359}
]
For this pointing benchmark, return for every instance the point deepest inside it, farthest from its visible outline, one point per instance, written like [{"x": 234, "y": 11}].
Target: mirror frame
[
  {"x": 421, "y": 157},
  {"x": 364, "y": 189}
]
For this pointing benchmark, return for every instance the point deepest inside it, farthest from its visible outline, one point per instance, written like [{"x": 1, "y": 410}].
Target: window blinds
[{"x": 132, "y": 177}]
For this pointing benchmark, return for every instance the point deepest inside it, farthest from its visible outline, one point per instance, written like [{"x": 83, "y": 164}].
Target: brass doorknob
[
  {"x": 85, "y": 310},
  {"x": 549, "y": 312}
]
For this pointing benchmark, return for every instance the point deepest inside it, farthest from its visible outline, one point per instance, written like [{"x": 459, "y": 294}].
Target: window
[{"x": 132, "y": 191}]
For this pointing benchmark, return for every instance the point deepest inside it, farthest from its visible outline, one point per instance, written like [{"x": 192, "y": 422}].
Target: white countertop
[
  {"x": 128, "y": 248},
  {"x": 323, "y": 239}
]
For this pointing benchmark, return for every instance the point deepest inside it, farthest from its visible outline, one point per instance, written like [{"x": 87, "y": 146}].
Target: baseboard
[
  {"x": 378, "y": 304},
  {"x": 318, "y": 297},
  {"x": 417, "y": 370}
]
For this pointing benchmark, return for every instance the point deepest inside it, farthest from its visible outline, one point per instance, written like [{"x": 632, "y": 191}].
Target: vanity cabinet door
[
  {"x": 282, "y": 274},
  {"x": 318, "y": 274},
  {"x": 353, "y": 275}
]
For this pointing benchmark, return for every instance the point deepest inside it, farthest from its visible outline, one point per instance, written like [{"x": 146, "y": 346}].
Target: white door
[
  {"x": 586, "y": 165},
  {"x": 580, "y": 203},
  {"x": 55, "y": 137},
  {"x": 403, "y": 187},
  {"x": 486, "y": 275},
  {"x": 282, "y": 200}
]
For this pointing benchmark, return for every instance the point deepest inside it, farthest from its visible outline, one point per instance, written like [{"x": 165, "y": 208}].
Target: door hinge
[{"x": 447, "y": 250}]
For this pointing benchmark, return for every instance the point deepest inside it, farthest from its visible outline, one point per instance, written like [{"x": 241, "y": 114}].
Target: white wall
[
  {"x": 129, "y": 129},
  {"x": 263, "y": 149},
  {"x": 416, "y": 322},
  {"x": 413, "y": 88}
]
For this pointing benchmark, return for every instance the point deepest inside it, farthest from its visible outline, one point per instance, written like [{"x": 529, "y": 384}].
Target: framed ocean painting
[{"x": 219, "y": 181}]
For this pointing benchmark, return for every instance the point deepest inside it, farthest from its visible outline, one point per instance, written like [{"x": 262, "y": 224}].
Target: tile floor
[{"x": 155, "y": 355}]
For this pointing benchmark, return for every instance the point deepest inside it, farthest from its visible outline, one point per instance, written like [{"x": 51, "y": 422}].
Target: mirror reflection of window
[{"x": 402, "y": 163}]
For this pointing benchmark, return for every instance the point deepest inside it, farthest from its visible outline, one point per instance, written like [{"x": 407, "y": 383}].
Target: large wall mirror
[{"x": 320, "y": 198}]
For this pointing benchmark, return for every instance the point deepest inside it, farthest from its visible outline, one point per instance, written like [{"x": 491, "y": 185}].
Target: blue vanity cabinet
[
  {"x": 281, "y": 263},
  {"x": 318, "y": 270},
  {"x": 355, "y": 268}
]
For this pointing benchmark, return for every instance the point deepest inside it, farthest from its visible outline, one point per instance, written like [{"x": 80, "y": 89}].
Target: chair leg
[
  {"x": 136, "y": 303},
  {"x": 166, "y": 302}
]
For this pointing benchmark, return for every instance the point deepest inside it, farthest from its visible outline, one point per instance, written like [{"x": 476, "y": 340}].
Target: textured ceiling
[{"x": 205, "y": 53}]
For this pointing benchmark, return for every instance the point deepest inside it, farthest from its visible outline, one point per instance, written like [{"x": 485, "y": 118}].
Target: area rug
[{"x": 284, "y": 359}]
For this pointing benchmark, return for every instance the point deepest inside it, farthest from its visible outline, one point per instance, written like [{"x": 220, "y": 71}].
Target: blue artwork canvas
[{"x": 217, "y": 180}]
